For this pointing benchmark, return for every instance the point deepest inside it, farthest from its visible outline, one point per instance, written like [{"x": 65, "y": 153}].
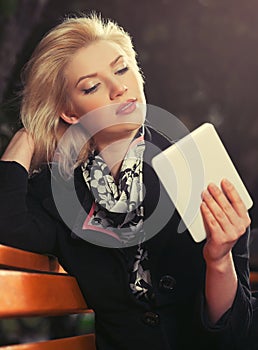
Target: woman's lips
[{"x": 126, "y": 108}]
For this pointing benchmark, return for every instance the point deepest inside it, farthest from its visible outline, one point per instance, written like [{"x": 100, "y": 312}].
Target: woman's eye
[
  {"x": 90, "y": 90},
  {"x": 122, "y": 71}
]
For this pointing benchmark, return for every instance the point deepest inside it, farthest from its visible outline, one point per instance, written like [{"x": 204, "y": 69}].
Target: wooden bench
[{"x": 36, "y": 285}]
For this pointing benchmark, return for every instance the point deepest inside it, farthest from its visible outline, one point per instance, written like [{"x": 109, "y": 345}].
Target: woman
[{"x": 160, "y": 292}]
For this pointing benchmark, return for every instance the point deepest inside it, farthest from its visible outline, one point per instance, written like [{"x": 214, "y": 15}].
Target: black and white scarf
[{"x": 117, "y": 209}]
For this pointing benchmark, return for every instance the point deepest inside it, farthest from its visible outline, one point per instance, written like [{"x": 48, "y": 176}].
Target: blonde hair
[{"x": 45, "y": 87}]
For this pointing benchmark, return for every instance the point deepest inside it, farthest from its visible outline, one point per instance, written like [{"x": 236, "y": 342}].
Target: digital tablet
[{"x": 188, "y": 166}]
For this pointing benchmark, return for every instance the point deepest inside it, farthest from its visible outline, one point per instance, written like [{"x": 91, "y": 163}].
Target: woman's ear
[{"x": 70, "y": 118}]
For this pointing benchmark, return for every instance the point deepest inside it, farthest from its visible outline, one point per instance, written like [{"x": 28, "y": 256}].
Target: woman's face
[{"x": 105, "y": 91}]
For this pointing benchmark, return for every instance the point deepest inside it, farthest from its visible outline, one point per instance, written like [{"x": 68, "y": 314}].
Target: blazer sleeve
[
  {"x": 24, "y": 223},
  {"x": 236, "y": 322}
]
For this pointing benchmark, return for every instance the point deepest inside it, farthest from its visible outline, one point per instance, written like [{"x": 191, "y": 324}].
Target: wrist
[{"x": 222, "y": 264}]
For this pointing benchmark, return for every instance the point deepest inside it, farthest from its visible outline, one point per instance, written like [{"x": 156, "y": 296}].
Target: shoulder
[
  {"x": 39, "y": 182},
  {"x": 12, "y": 173},
  {"x": 156, "y": 137}
]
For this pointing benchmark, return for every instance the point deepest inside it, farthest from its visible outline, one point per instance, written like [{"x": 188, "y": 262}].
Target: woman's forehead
[{"x": 94, "y": 58}]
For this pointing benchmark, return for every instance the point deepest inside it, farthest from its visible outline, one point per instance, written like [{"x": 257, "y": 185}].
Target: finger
[
  {"x": 210, "y": 223},
  {"x": 235, "y": 200},
  {"x": 224, "y": 204},
  {"x": 217, "y": 212}
]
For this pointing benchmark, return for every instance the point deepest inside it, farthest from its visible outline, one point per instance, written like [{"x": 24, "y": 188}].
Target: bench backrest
[{"x": 36, "y": 285}]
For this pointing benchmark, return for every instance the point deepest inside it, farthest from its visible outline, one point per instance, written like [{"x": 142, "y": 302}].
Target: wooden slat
[
  {"x": 31, "y": 294},
  {"x": 254, "y": 280},
  {"x": 20, "y": 259},
  {"x": 83, "y": 342}
]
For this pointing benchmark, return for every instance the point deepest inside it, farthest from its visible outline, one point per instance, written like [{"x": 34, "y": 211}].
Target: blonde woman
[{"x": 83, "y": 112}]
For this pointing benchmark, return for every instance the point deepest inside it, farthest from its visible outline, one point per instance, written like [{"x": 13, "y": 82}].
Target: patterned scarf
[{"x": 117, "y": 210}]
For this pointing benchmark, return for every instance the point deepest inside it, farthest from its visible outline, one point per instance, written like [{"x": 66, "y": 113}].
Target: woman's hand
[
  {"x": 226, "y": 220},
  {"x": 20, "y": 149}
]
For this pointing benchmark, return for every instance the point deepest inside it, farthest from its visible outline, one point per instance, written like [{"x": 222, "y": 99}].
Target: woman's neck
[{"x": 114, "y": 153}]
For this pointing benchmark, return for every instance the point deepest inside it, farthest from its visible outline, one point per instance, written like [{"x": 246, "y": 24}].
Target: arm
[
  {"x": 20, "y": 149},
  {"x": 226, "y": 220},
  {"x": 23, "y": 221}
]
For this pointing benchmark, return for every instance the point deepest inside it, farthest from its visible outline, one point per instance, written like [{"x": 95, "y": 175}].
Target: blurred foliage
[{"x": 33, "y": 329}]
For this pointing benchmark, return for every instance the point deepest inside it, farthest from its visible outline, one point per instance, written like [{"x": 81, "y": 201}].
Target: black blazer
[{"x": 176, "y": 320}]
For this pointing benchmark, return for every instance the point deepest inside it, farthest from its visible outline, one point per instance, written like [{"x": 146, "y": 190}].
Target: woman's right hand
[{"x": 20, "y": 149}]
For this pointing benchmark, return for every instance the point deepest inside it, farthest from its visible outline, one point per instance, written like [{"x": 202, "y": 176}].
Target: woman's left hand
[{"x": 225, "y": 218}]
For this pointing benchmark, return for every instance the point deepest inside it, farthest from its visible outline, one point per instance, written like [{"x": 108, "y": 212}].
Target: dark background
[{"x": 199, "y": 57}]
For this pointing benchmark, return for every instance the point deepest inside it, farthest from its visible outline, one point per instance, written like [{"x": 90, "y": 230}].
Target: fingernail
[
  {"x": 212, "y": 186},
  {"x": 227, "y": 182},
  {"x": 205, "y": 193}
]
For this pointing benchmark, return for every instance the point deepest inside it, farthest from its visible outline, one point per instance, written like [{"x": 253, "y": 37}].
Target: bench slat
[
  {"x": 36, "y": 294},
  {"x": 20, "y": 259},
  {"x": 83, "y": 342},
  {"x": 254, "y": 280}
]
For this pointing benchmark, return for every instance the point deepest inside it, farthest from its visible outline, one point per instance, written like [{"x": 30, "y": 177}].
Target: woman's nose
[{"x": 117, "y": 89}]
